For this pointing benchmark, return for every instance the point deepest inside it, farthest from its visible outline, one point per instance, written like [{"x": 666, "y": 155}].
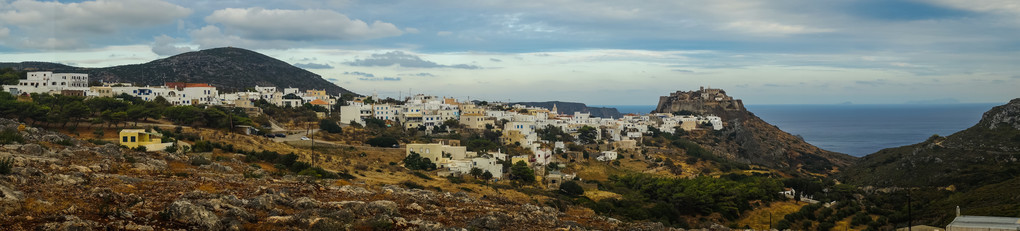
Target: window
[
  {"x": 125, "y": 139},
  {"x": 132, "y": 139}
]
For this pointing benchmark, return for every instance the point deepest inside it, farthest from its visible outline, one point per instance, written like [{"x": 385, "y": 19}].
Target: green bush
[
  {"x": 202, "y": 146},
  {"x": 382, "y": 141},
  {"x": 571, "y": 188},
  {"x": 9, "y": 136},
  {"x": 6, "y": 165},
  {"x": 416, "y": 162},
  {"x": 200, "y": 160},
  {"x": 329, "y": 126}
]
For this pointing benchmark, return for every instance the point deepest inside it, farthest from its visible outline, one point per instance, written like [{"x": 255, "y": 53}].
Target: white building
[{"x": 49, "y": 82}]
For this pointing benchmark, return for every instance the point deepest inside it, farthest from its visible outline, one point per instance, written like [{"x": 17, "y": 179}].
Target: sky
[{"x": 595, "y": 52}]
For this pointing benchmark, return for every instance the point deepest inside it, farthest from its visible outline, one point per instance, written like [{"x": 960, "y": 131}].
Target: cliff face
[
  {"x": 703, "y": 101},
  {"x": 230, "y": 69},
  {"x": 749, "y": 139}
]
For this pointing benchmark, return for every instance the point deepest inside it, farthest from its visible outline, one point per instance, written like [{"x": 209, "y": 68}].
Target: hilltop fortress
[{"x": 703, "y": 101}]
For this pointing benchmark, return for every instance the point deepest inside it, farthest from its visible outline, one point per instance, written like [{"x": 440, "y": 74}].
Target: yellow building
[
  {"x": 132, "y": 138},
  {"x": 319, "y": 94}
]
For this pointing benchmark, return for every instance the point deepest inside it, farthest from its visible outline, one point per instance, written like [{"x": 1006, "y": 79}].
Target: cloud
[
  {"x": 313, "y": 65},
  {"x": 423, "y": 74},
  {"x": 404, "y": 60},
  {"x": 411, "y": 30},
  {"x": 212, "y": 37},
  {"x": 166, "y": 46},
  {"x": 298, "y": 25},
  {"x": 873, "y": 83},
  {"x": 55, "y": 25},
  {"x": 683, "y": 71},
  {"x": 4, "y": 32},
  {"x": 495, "y": 60},
  {"x": 444, "y": 33},
  {"x": 359, "y": 73},
  {"x": 379, "y": 79},
  {"x": 771, "y": 28}
]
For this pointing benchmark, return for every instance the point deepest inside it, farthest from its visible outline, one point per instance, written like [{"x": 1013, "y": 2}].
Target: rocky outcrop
[
  {"x": 1007, "y": 115},
  {"x": 748, "y": 139},
  {"x": 705, "y": 101}
]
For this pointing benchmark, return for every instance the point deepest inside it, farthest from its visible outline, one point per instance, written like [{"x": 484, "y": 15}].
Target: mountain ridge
[
  {"x": 227, "y": 68},
  {"x": 568, "y": 108}
]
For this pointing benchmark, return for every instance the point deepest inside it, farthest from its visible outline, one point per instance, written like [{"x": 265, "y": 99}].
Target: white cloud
[
  {"x": 166, "y": 46},
  {"x": 212, "y": 37},
  {"x": 54, "y": 25},
  {"x": 770, "y": 28},
  {"x": 298, "y": 25}
]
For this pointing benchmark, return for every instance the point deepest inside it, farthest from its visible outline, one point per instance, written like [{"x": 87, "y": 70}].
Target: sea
[{"x": 861, "y": 129}]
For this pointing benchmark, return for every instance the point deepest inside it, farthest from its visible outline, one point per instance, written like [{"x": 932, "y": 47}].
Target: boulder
[{"x": 188, "y": 213}]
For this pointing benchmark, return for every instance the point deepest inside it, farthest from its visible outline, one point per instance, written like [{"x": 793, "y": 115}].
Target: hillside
[
  {"x": 749, "y": 139},
  {"x": 978, "y": 156},
  {"x": 974, "y": 169},
  {"x": 568, "y": 108},
  {"x": 52, "y": 181},
  {"x": 228, "y": 68}
]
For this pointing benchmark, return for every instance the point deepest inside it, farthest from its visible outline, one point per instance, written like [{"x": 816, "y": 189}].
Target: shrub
[
  {"x": 571, "y": 188},
  {"x": 412, "y": 185},
  {"x": 11, "y": 136},
  {"x": 202, "y": 146},
  {"x": 416, "y": 162},
  {"x": 382, "y": 141},
  {"x": 6, "y": 165},
  {"x": 200, "y": 160},
  {"x": 330, "y": 126}
]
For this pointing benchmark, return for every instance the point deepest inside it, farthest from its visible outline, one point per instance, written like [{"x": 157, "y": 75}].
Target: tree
[
  {"x": 414, "y": 161},
  {"x": 487, "y": 175},
  {"x": 330, "y": 126},
  {"x": 382, "y": 141},
  {"x": 476, "y": 172},
  {"x": 587, "y": 134},
  {"x": 521, "y": 173},
  {"x": 571, "y": 188}
]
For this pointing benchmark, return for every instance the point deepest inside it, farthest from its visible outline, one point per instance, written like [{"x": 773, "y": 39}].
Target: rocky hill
[
  {"x": 749, "y": 139},
  {"x": 569, "y": 108},
  {"x": 228, "y": 68},
  {"x": 984, "y": 154},
  {"x": 977, "y": 169},
  {"x": 51, "y": 181}
]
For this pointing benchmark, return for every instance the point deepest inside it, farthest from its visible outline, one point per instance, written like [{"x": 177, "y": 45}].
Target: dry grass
[
  {"x": 758, "y": 218},
  {"x": 597, "y": 195}
]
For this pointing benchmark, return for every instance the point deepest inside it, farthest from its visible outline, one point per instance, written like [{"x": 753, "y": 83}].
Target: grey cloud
[
  {"x": 495, "y": 60},
  {"x": 313, "y": 65},
  {"x": 380, "y": 79},
  {"x": 423, "y": 74},
  {"x": 359, "y": 73},
  {"x": 404, "y": 60},
  {"x": 55, "y": 25},
  {"x": 298, "y": 25},
  {"x": 164, "y": 46},
  {"x": 873, "y": 83},
  {"x": 683, "y": 71}
]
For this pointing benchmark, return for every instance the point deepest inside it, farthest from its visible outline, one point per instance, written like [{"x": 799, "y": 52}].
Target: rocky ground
[{"x": 61, "y": 183}]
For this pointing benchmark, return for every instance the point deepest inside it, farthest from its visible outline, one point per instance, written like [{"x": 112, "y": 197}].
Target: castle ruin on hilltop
[{"x": 703, "y": 101}]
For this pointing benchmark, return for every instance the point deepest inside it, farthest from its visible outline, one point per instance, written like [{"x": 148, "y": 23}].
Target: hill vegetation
[
  {"x": 965, "y": 169},
  {"x": 227, "y": 68}
]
